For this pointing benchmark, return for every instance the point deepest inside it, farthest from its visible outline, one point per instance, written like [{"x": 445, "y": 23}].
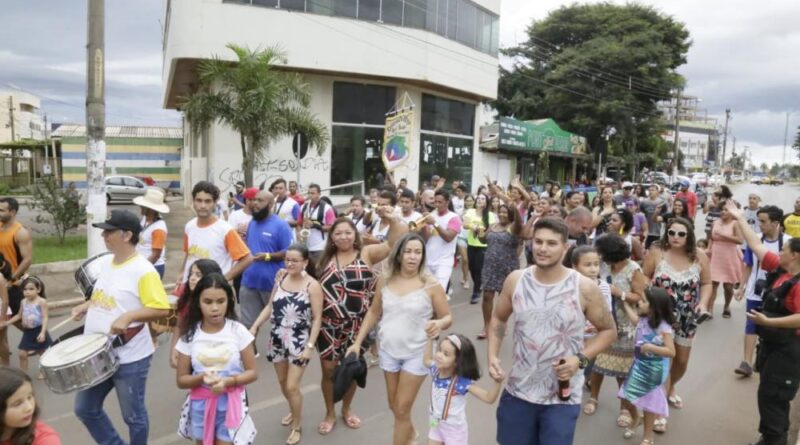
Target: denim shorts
[
  {"x": 414, "y": 365},
  {"x": 197, "y": 412},
  {"x": 749, "y": 325},
  {"x": 520, "y": 422}
]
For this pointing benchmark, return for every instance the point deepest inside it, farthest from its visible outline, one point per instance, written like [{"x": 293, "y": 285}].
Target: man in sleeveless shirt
[
  {"x": 549, "y": 302},
  {"x": 16, "y": 246}
]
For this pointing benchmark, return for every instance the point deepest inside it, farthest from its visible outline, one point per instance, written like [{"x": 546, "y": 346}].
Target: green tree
[
  {"x": 257, "y": 100},
  {"x": 56, "y": 206},
  {"x": 763, "y": 167},
  {"x": 796, "y": 144},
  {"x": 593, "y": 66}
]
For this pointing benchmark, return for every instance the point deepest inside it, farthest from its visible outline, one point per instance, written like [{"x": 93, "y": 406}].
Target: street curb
[{"x": 56, "y": 267}]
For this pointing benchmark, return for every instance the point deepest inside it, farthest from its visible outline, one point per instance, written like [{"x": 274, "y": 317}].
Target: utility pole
[
  {"x": 95, "y": 126},
  {"x": 46, "y": 149},
  {"x": 11, "y": 116},
  {"x": 677, "y": 133},
  {"x": 724, "y": 140},
  {"x": 785, "y": 138}
]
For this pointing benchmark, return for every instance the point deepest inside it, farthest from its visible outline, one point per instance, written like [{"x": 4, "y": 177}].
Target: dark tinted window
[
  {"x": 357, "y": 103},
  {"x": 414, "y": 12},
  {"x": 344, "y": 8},
  {"x": 272, "y": 3},
  {"x": 114, "y": 181},
  {"x": 356, "y": 155},
  {"x": 369, "y": 10},
  {"x": 449, "y": 157},
  {"x": 447, "y": 116},
  {"x": 293, "y": 5},
  {"x": 392, "y": 12}
]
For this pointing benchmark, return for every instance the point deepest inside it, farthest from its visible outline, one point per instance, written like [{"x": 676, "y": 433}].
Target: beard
[
  {"x": 429, "y": 208},
  {"x": 261, "y": 214}
]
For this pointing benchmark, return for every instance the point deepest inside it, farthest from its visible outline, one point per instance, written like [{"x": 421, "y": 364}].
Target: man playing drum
[{"x": 128, "y": 293}]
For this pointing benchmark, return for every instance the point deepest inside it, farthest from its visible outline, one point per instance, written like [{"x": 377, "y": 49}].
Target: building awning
[{"x": 533, "y": 137}]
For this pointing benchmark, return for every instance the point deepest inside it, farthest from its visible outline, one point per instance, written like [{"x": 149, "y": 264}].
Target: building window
[
  {"x": 392, "y": 12},
  {"x": 359, "y": 116},
  {"x": 466, "y": 23},
  {"x": 447, "y": 116},
  {"x": 369, "y": 10},
  {"x": 414, "y": 13},
  {"x": 293, "y": 5},
  {"x": 447, "y": 156},
  {"x": 272, "y": 3}
]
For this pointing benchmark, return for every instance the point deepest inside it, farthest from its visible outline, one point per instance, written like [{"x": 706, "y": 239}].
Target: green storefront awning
[{"x": 537, "y": 136}]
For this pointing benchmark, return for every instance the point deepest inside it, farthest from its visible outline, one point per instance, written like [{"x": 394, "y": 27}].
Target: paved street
[{"x": 719, "y": 407}]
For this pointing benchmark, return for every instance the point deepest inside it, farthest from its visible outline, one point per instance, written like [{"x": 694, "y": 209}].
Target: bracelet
[{"x": 267, "y": 256}]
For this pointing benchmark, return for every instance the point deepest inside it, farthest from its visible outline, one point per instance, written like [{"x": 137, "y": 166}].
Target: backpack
[{"x": 321, "y": 207}]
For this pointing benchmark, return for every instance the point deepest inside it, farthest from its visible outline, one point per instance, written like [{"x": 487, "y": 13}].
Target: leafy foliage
[
  {"x": 58, "y": 207},
  {"x": 256, "y": 99},
  {"x": 593, "y": 66},
  {"x": 796, "y": 145}
]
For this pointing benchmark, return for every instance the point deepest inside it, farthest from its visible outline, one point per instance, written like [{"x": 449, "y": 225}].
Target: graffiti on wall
[{"x": 270, "y": 168}]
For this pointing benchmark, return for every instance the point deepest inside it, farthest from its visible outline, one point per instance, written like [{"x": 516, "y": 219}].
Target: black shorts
[{"x": 14, "y": 298}]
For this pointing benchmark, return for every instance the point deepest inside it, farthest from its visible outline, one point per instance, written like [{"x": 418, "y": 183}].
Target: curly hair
[{"x": 612, "y": 248}]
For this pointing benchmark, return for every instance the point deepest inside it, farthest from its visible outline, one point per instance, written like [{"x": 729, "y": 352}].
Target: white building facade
[
  {"x": 19, "y": 111},
  {"x": 359, "y": 57}
]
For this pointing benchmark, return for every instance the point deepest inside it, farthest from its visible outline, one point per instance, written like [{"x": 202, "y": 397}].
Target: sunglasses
[{"x": 673, "y": 233}]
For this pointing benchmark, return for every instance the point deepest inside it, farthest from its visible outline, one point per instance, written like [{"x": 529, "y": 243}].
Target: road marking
[{"x": 269, "y": 403}]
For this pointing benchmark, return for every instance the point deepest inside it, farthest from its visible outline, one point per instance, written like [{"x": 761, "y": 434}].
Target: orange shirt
[{"x": 8, "y": 246}]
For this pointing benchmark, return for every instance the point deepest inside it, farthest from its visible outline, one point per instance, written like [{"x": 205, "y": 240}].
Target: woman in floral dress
[
  {"x": 683, "y": 270},
  {"x": 295, "y": 312}
]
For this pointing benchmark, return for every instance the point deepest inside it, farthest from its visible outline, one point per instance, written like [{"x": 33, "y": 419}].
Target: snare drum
[
  {"x": 78, "y": 363},
  {"x": 87, "y": 274},
  {"x": 166, "y": 324}
]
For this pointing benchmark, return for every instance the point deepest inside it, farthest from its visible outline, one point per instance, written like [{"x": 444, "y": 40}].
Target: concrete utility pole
[
  {"x": 677, "y": 132},
  {"x": 95, "y": 126},
  {"x": 724, "y": 139},
  {"x": 785, "y": 138},
  {"x": 11, "y": 116}
]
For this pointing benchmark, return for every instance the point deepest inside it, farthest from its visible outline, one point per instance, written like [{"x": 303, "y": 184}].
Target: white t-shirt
[
  {"x": 288, "y": 209},
  {"x": 752, "y": 220},
  {"x": 218, "y": 242},
  {"x": 458, "y": 205},
  {"x": 760, "y": 274},
  {"x": 239, "y": 218},
  {"x": 359, "y": 221},
  {"x": 123, "y": 288},
  {"x": 145, "y": 245},
  {"x": 456, "y": 409},
  {"x": 220, "y": 351},
  {"x": 439, "y": 251},
  {"x": 221, "y": 208},
  {"x": 415, "y": 215},
  {"x": 317, "y": 238}
]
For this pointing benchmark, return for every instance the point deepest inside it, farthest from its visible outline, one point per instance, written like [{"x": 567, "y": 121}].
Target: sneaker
[
  {"x": 744, "y": 369},
  {"x": 476, "y": 298}
]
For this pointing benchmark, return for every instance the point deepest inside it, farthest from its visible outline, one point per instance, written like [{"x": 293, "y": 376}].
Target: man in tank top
[
  {"x": 549, "y": 301},
  {"x": 16, "y": 246}
]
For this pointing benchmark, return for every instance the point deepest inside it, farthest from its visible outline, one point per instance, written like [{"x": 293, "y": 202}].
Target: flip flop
[
  {"x": 352, "y": 421},
  {"x": 286, "y": 420},
  {"x": 660, "y": 425},
  {"x": 482, "y": 335},
  {"x": 325, "y": 427},
  {"x": 590, "y": 407},
  {"x": 297, "y": 437},
  {"x": 624, "y": 419},
  {"x": 675, "y": 402}
]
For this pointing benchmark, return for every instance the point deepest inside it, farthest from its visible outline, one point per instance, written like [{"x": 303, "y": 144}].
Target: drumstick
[{"x": 61, "y": 325}]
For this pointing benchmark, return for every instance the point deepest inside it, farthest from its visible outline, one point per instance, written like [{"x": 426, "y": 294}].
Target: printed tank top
[
  {"x": 549, "y": 325},
  {"x": 347, "y": 290}
]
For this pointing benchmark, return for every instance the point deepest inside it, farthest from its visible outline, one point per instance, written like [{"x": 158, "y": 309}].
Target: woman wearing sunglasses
[{"x": 683, "y": 270}]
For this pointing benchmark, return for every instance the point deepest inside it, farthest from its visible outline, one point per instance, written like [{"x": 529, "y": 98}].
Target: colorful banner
[{"x": 397, "y": 139}]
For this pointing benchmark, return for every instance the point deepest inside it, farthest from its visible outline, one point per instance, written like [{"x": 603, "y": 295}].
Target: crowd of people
[{"x": 616, "y": 285}]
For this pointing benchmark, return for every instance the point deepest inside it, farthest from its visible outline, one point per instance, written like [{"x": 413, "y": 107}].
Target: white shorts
[
  {"x": 441, "y": 273},
  {"x": 414, "y": 365}
]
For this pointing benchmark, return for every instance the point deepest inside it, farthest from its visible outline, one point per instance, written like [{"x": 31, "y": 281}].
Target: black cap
[{"x": 121, "y": 220}]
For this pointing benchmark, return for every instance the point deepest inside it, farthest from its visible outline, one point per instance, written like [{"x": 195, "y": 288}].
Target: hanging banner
[{"x": 397, "y": 138}]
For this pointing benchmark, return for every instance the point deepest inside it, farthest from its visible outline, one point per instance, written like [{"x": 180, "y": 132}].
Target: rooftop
[{"x": 75, "y": 130}]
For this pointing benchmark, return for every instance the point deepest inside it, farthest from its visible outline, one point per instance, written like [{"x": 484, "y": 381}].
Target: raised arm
[
  {"x": 376, "y": 253},
  {"x": 751, "y": 237}
]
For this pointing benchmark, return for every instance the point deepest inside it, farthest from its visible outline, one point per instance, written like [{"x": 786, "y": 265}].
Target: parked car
[
  {"x": 776, "y": 180},
  {"x": 737, "y": 178},
  {"x": 148, "y": 180},
  {"x": 757, "y": 179},
  {"x": 123, "y": 188},
  {"x": 700, "y": 178},
  {"x": 716, "y": 181}
]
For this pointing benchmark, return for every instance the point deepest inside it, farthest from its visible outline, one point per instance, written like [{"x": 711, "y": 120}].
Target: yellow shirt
[
  {"x": 791, "y": 225},
  {"x": 472, "y": 217}
]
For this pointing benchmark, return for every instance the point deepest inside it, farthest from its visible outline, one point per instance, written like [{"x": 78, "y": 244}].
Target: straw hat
[{"x": 152, "y": 199}]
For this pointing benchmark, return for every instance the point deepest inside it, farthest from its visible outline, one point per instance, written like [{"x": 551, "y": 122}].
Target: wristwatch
[
  {"x": 267, "y": 256},
  {"x": 310, "y": 345},
  {"x": 583, "y": 361}
]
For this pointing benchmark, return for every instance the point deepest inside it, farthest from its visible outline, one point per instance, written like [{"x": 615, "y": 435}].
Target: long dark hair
[
  {"x": 684, "y": 206},
  {"x": 487, "y": 209},
  {"x": 11, "y": 380},
  {"x": 303, "y": 251},
  {"x": 330, "y": 247},
  {"x": 691, "y": 242},
  {"x": 206, "y": 267},
  {"x": 513, "y": 218},
  {"x": 36, "y": 281},
  {"x": 195, "y": 314},
  {"x": 466, "y": 362},
  {"x": 660, "y": 307}
]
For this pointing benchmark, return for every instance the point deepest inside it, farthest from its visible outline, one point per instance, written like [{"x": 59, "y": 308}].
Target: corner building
[{"x": 359, "y": 58}]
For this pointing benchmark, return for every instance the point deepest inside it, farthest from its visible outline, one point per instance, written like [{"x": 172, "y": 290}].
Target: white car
[
  {"x": 700, "y": 178},
  {"x": 715, "y": 180}
]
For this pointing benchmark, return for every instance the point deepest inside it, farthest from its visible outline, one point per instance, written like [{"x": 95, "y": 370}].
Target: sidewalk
[{"x": 61, "y": 286}]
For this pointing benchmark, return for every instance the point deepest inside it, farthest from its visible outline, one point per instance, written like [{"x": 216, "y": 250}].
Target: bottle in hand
[{"x": 564, "y": 392}]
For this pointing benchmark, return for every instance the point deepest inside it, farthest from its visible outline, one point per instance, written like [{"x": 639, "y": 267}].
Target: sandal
[
  {"x": 590, "y": 407},
  {"x": 296, "y": 434},
  {"x": 482, "y": 335},
  {"x": 660, "y": 425},
  {"x": 624, "y": 420},
  {"x": 631, "y": 430},
  {"x": 647, "y": 442},
  {"x": 286, "y": 420},
  {"x": 726, "y": 313},
  {"x": 352, "y": 421},
  {"x": 675, "y": 402},
  {"x": 325, "y": 427}
]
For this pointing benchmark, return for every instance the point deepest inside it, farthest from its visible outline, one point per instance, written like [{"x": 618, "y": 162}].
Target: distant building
[
  {"x": 359, "y": 58},
  {"x": 133, "y": 151},
  {"x": 20, "y": 111},
  {"x": 698, "y": 135}
]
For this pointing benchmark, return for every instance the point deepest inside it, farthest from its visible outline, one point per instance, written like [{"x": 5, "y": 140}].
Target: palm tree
[{"x": 256, "y": 99}]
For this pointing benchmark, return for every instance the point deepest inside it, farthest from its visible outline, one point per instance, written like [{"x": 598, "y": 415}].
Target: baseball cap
[
  {"x": 627, "y": 185},
  {"x": 121, "y": 220},
  {"x": 684, "y": 183},
  {"x": 250, "y": 193}
]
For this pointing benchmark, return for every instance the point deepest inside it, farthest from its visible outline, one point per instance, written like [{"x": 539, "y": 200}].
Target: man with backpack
[
  {"x": 317, "y": 217},
  {"x": 778, "y": 328}
]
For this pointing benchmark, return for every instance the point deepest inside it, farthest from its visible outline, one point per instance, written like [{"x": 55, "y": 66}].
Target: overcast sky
[{"x": 744, "y": 57}]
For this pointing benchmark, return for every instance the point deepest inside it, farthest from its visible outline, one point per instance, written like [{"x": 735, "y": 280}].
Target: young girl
[
  {"x": 199, "y": 269},
  {"x": 215, "y": 361},
  {"x": 644, "y": 387},
  {"x": 20, "y": 413},
  {"x": 586, "y": 261},
  {"x": 34, "y": 316},
  {"x": 454, "y": 370},
  {"x": 295, "y": 312}
]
